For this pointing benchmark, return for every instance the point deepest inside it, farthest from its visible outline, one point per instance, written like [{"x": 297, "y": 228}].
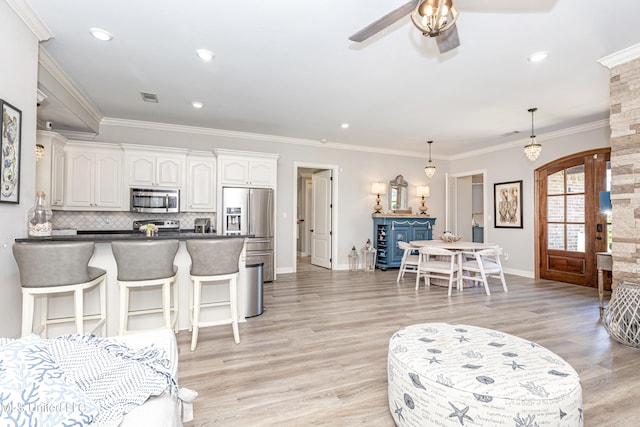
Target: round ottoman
[{"x": 450, "y": 375}]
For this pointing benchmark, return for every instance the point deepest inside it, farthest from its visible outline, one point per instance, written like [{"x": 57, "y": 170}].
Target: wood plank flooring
[{"x": 317, "y": 355}]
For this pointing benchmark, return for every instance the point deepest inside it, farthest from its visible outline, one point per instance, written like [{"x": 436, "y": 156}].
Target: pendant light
[
  {"x": 532, "y": 149},
  {"x": 430, "y": 169}
]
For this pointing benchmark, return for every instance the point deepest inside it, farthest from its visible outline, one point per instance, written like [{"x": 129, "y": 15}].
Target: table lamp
[
  {"x": 423, "y": 191},
  {"x": 378, "y": 188}
]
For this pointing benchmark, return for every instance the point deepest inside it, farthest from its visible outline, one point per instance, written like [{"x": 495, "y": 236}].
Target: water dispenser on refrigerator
[{"x": 233, "y": 220}]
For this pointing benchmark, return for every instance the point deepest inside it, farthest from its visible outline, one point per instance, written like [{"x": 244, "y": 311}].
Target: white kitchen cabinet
[
  {"x": 93, "y": 178},
  {"x": 250, "y": 170},
  {"x": 200, "y": 189},
  {"x": 50, "y": 168},
  {"x": 153, "y": 169}
]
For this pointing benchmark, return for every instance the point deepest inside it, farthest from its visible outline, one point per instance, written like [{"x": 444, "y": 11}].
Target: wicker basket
[{"x": 622, "y": 315}]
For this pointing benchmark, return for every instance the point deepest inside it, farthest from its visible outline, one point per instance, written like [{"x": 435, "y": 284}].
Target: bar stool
[
  {"x": 214, "y": 260},
  {"x": 55, "y": 268},
  {"x": 144, "y": 264}
]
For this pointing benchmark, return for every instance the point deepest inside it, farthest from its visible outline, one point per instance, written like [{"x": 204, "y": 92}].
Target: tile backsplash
[{"x": 88, "y": 220}]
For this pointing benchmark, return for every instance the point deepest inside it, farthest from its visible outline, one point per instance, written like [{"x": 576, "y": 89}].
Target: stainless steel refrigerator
[{"x": 250, "y": 211}]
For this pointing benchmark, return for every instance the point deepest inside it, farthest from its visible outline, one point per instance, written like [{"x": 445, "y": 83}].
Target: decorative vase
[
  {"x": 39, "y": 217},
  {"x": 148, "y": 232}
]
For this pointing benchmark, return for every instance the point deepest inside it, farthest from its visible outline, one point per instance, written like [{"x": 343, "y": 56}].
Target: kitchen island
[{"x": 103, "y": 258}]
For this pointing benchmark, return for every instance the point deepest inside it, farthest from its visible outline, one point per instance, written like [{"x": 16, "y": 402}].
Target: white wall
[
  {"x": 511, "y": 164},
  {"x": 18, "y": 84}
]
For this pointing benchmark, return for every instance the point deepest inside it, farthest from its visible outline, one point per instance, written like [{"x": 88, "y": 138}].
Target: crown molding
[
  {"x": 621, "y": 57},
  {"x": 599, "y": 124},
  {"x": 109, "y": 121},
  {"x": 51, "y": 74},
  {"x": 77, "y": 135},
  {"x": 31, "y": 20}
]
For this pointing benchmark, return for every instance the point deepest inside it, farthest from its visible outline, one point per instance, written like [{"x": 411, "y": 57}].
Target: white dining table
[{"x": 459, "y": 246}]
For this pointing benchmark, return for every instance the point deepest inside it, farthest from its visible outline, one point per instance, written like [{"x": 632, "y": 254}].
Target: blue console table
[{"x": 388, "y": 230}]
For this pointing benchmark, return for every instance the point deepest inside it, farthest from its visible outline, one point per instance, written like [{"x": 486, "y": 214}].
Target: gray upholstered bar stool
[
  {"x": 214, "y": 260},
  {"x": 56, "y": 268},
  {"x": 144, "y": 264}
]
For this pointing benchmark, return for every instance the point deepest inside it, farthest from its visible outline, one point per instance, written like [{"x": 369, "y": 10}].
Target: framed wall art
[
  {"x": 11, "y": 132},
  {"x": 507, "y": 197}
]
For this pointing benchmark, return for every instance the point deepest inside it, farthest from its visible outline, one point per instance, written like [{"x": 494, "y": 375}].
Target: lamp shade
[
  {"x": 378, "y": 188},
  {"x": 605, "y": 202},
  {"x": 423, "y": 191}
]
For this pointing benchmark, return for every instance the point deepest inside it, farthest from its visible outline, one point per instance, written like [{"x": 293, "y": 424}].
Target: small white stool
[
  {"x": 56, "y": 268},
  {"x": 143, "y": 264},
  {"x": 214, "y": 260}
]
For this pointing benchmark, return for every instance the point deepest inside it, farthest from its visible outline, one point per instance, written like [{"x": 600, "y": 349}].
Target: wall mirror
[{"x": 398, "y": 194}]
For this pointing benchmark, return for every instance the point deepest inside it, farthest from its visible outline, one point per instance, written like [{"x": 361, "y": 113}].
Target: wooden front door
[{"x": 569, "y": 222}]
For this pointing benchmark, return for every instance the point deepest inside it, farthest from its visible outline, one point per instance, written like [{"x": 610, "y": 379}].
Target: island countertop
[{"x": 105, "y": 236}]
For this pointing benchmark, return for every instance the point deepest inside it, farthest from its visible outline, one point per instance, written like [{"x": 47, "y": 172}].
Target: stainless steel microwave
[{"x": 155, "y": 200}]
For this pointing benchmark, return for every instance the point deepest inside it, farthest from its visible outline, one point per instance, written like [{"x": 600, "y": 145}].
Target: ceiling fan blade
[
  {"x": 384, "y": 22},
  {"x": 448, "y": 40}
]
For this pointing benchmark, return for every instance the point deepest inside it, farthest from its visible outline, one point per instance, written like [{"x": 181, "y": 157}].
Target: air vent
[
  {"x": 513, "y": 132},
  {"x": 149, "y": 97}
]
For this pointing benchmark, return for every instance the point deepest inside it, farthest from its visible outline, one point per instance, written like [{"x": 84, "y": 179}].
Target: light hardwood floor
[{"x": 317, "y": 355}]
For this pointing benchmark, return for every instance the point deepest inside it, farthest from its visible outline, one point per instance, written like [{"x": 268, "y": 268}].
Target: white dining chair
[
  {"x": 437, "y": 263},
  {"x": 409, "y": 261},
  {"x": 482, "y": 264}
]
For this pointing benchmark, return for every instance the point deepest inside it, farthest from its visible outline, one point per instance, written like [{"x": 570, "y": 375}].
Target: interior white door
[
  {"x": 321, "y": 219},
  {"x": 451, "y": 194}
]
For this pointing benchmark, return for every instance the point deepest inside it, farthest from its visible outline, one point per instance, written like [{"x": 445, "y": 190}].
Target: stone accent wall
[{"x": 625, "y": 175}]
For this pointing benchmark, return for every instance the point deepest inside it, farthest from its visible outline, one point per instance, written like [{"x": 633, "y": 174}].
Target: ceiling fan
[{"x": 435, "y": 18}]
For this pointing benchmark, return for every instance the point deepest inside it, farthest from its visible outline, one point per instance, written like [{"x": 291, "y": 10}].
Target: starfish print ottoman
[{"x": 459, "y": 375}]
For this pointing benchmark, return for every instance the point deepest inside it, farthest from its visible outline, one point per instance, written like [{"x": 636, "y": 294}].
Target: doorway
[
  {"x": 315, "y": 207},
  {"x": 569, "y": 222},
  {"x": 466, "y": 205}
]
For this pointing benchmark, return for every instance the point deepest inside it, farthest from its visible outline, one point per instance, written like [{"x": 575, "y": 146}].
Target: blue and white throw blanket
[{"x": 77, "y": 380}]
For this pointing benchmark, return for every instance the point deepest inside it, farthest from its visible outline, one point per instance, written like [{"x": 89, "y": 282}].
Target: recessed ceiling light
[
  {"x": 205, "y": 54},
  {"x": 538, "y": 56},
  {"x": 101, "y": 34},
  {"x": 344, "y": 125},
  {"x": 197, "y": 104}
]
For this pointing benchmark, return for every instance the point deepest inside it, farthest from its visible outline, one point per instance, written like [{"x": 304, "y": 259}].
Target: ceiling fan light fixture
[
  {"x": 430, "y": 169},
  {"x": 432, "y": 17},
  {"x": 533, "y": 149}
]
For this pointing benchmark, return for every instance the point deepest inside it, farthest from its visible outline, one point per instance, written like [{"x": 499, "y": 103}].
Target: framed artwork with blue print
[{"x": 10, "y": 131}]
